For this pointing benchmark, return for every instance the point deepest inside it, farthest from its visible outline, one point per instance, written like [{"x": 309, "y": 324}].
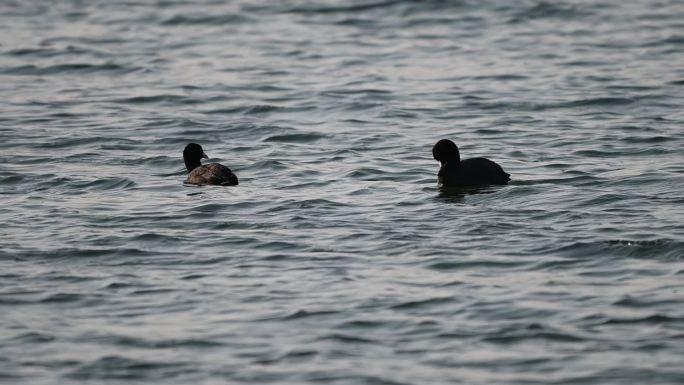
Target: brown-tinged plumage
[{"x": 206, "y": 174}]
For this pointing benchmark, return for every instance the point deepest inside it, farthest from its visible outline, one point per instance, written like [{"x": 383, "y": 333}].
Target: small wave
[
  {"x": 69, "y": 253},
  {"x": 159, "y": 99},
  {"x": 147, "y": 237},
  {"x": 61, "y": 69},
  {"x": 362, "y": 324},
  {"x": 676, "y": 40},
  {"x": 71, "y": 141},
  {"x": 352, "y": 8},
  {"x": 309, "y": 314},
  {"x": 605, "y": 102},
  {"x": 349, "y": 339},
  {"x": 32, "y": 338},
  {"x": 278, "y": 245},
  {"x": 367, "y": 174},
  {"x": 602, "y": 199},
  {"x": 205, "y": 20},
  {"x": 51, "y": 298},
  {"x": 295, "y": 138},
  {"x": 650, "y": 319},
  {"x": 269, "y": 164},
  {"x": 650, "y": 249},
  {"x": 211, "y": 208},
  {"x": 656, "y": 242},
  {"x": 12, "y": 180},
  {"x": 623, "y": 152},
  {"x": 647, "y": 139},
  {"x": 73, "y": 186},
  {"x": 590, "y": 63},
  {"x": 599, "y": 102},
  {"x": 121, "y": 285},
  {"x": 151, "y": 291},
  {"x": 46, "y": 52},
  {"x": 62, "y": 298},
  {"x": 226, "y": 110},
  {"x": 259, "y": 109},
  {"x": 501, "y": 77},
  {"x": 462, "y": 265},
  {"x": 645, "y": 303},
  {"x": 516, "y": 337},
  {"x": 544, "y": 10},
  {"x": 317, "y": 204},
  {"x": 123, "y": 368},
  {"x": 278, "y": 257},
  {"x": 156, "y": 344},
  {"x": 190, "y": 277},
  {"x": 420, "y": 304},
  {"x": 103, "y": 184}
]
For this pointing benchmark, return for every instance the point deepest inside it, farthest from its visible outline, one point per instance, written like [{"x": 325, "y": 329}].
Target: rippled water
[{"x": 338, "y": 260}]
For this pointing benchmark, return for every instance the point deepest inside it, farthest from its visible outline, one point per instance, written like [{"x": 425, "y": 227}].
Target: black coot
[{"x": 467, "y": 172}]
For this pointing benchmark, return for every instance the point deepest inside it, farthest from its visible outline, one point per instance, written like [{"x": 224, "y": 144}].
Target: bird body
[
  {"x": 212, "y": 174},
  {"x": 467, "y": 172},
  {"x": 472, "y": 172},
  {"x": 206, "y": 174}
]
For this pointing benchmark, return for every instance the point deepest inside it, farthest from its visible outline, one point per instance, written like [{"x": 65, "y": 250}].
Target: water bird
[
  {"x": 205, "y": 174},
  {"x": 467, "y": 172}
]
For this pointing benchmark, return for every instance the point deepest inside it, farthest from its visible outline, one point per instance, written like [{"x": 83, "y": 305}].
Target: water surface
[{"x": 338, "y": 260}]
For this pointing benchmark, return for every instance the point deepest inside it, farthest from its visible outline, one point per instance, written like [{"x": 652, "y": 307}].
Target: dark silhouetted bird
[{"x": 467, "y": 172}]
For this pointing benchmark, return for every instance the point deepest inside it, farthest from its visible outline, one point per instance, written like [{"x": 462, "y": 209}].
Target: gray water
[{"x": 338, "y": 259}]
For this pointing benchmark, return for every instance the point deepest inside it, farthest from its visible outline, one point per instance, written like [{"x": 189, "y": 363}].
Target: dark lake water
[{"x": 338, "y": 259}]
